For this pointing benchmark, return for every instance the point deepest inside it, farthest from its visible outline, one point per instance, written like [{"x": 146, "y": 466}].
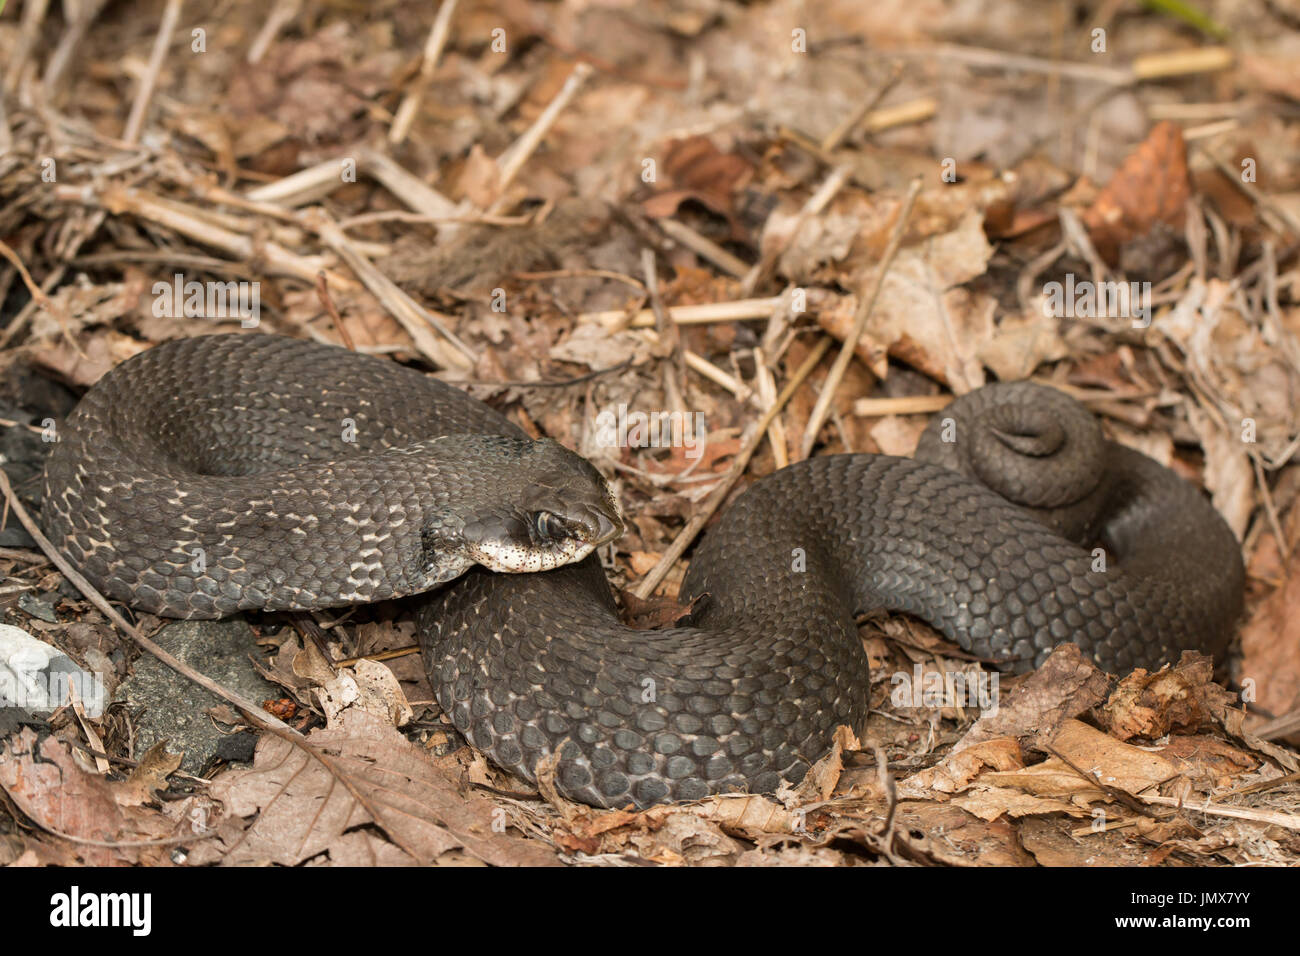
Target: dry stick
[
  {"x": 675, "y": 369},
  {"x": 196, "y": 225},
  {"x": 1273, "y": 817},
  {"x": 753, "y": 437},
  {"x": 900, "y": 405},
  {"x": 88, "y": 228},
  {"x": 1260, "y": 786},
  {"x": 33, "y": 16},
  {"x": 144, "y": 95},
  {"x": 703, "y": 366},
  {"x": 281, "y": 13},
  {"x": 1270, "y": 511},
  {"x": 865, "y": 307},
  {"x": 251, "y": 711},
  {"x": 39, "y": 299},
  {"x": 428, "y": 64},
  {"x": 68, "y": 43},
  {"x": 327, "y": 300},
  {"x": 1152, "y": 66},
  {"x": 704, "y": 247},
  {"x": 6, "y": 135},
  {"x": 1278, "y": 727},
  {"x": 767, "y": 393},
  {"x": 850, "y": 122},
  {"x": 512, "y": 160},
  {"x": 410, "y": 314},
  {"x": 818, "y": 201},
  {"x": 304, "y": 186},
  {"x": 736, "y": 311}
]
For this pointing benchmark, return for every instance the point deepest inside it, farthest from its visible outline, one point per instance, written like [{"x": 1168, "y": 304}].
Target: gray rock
[
  {"x": 173, "y": 706},
  {"x": 35, "y": 676}
]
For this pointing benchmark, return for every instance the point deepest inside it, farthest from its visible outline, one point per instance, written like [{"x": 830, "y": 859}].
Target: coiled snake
[{"x": 230, "y": 472}]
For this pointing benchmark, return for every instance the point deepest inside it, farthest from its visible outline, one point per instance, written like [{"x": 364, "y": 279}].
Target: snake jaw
[{"x": 545, "y": 540}]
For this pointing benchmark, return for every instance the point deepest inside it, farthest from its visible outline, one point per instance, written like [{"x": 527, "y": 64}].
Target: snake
[{"x": 249, "y": 471}]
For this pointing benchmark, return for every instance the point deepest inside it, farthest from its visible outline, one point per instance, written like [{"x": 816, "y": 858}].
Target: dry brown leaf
[
  {"x": 1152, "y": 186},
  {"x": 989, "y": 803},
  {"x": 368, "y": 686},
  {"x": 45, "y": 782},
  {"x": 921, "y": 317},
  {"x": 1111, "y": 762},
  {"x": 1270, "y": 647},
  {"x": 1065, "y": 686},
  {"x": 957, "y": 771},
  {"x": 1182, "y": 697},
  {"x": 1021, "y": 343},
  {"x": 303, "y": 812},
  {"x": 1208, "y": 762},
  {"x": 148, "y": 775}
]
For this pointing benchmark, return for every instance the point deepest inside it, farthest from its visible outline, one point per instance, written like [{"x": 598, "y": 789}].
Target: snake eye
[{"x": 546, "y": 525}]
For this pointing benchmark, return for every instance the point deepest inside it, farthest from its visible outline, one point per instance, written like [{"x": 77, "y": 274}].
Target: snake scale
[{"x": 228, "y": 472}]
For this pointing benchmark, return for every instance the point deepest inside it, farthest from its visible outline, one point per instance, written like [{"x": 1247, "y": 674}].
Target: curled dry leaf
[
  {"x": 368, "y": 686},
  {"x": 1149, "y": 706},
  {"x": 1067, "y": 684},
  {"x": 1151, "y": 186}
]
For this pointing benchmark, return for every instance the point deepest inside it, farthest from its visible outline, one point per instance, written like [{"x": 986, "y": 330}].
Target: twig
[
  {"x": 846, "y": 126},
  {"x": 512, "y": 160},
  {"x": 428, "y": 64},
  {"x": 1149, "y": 67},
  {"x": 251, "y": 710},
  {"x": 753, "y": 436},
  {"x": 39, "y": 299},
  {"x": 865, "y": 307},
  {"x": 33, "y": 16},
  {"x": 687, "y": 314},
  {"x": 1252, "y": 192},
  {"x": 902, "y": 405},
  {"x": 818, "y": 201},
  {"x": 674, "y": 369},
  {"x": 84, "y": 15},
  {"x": 1279, "y": 727},
  {"x": 327, "y": 300},
  {"x": 6, "y": 135},
  {"x": 704, "y": 247},
  {"x": 767, "y": 395},
  {"x": 409, "y": 314},
  {"x": 1271, "y": 817},
  {"x": 197, "y": 225},
  {"x": 281, "y": 13},
  {"x": 144, "y": 95}
]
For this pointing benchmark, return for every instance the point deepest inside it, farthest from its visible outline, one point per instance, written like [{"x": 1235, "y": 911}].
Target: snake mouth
[
  {"x": 523, "y": 548},
  {"x": 609, "y": 526}
]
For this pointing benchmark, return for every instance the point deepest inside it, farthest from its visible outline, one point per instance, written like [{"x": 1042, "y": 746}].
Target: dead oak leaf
[
  {"x": 303, "y": 810},
  {"x": 1152, "y": 186},
  {"x": 42, "y": 778}
]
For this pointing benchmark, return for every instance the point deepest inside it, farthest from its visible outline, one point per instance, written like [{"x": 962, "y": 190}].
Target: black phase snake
[{"x": 229, "y": 472}]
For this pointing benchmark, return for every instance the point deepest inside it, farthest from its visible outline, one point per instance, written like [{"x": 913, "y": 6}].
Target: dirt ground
[{"x": 568, "y": 207}]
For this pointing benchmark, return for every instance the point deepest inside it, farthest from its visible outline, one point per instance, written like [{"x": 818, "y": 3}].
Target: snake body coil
[{"x": 229, "y": 445}]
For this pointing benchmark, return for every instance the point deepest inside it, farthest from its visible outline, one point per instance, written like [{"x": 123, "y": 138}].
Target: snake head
[{"x": 542, "y": 506}]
